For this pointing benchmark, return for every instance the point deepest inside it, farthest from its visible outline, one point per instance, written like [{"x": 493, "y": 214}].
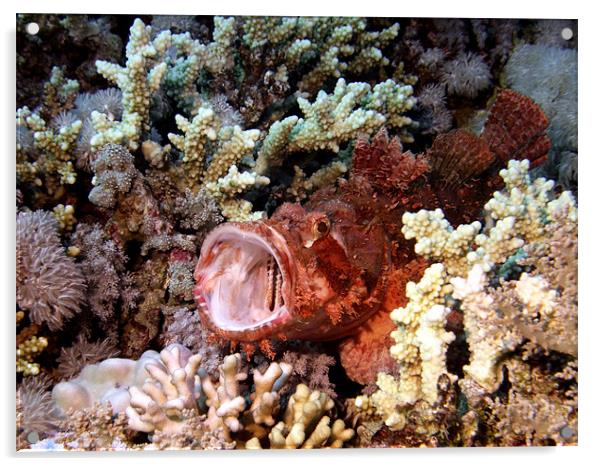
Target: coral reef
[
  {"x": 500, "y": 315},
  {"x": 295, "y": 232}
]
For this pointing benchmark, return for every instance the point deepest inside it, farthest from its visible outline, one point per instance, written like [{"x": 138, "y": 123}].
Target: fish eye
[{"x": 321, "y": 227}]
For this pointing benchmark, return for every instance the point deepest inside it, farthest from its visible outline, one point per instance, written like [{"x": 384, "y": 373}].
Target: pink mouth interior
[{"x": 243, "y": 286}]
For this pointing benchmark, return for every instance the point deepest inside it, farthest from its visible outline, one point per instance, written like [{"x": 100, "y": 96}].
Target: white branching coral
[
  {"x": 336, "y": 118},
  {"x": 226, "y": 403},
  {"x": 518, "y": 214},
  {"x": 204, "y": 136},
  {"x": 54, "y": 150},
  {"x": 165, "y": 394},
  {"x": 306, "y": 424},
  {"x": 517, "y": 223},
  {"x": 420, "y": 347},
  {"x": 302, "y": 186},
  {"x": 138, "y": 80},
  {"x": 174, "y": 386},
  {"x": 334, "y": 44},
  {"x": 487, "y": 336}
]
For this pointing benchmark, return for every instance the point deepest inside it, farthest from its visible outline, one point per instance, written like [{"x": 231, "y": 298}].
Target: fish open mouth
[{"x": 243, "y": 282}]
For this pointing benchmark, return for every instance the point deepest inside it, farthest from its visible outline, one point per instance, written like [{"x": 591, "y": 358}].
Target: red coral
[
  {"x": 516, "y": 129},
  {"x": 459, "y": 155}
]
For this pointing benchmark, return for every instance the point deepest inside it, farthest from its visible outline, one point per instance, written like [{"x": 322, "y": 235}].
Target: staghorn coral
[
  {"x": 334, "y": 119},
  {"x": 302, "y": 186},
  {"x": 45, "y": 155},
  {"x": 50, "y": 285},
  {"x": 59, "y": 94},
  {"x": 138, "y": 80},
  {"x": 220, "y": 177}
]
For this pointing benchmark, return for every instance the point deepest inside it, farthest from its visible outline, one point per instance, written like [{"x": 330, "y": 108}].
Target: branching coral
[
  {"x": 496, "y": 322},
  {"x": 174, "y": 387},
  {"x": 305, "y": 424},
  {"x": 420, "y": 346},
  {"x": 59, "y": 94},
  {"x": 44, "y": 155},
  {"x": 140, "y": 77},
  {"x": 49, "y": 283},
  {"x": 220, "y": 177},
  {"x": 334, "y": 119},
  {"x": 26, "y": 352}
]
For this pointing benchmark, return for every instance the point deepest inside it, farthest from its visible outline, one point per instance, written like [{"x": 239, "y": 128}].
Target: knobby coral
[{"x": 523, "y": 221}]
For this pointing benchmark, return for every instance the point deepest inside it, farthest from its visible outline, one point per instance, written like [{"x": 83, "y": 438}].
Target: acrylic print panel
[{"x": 295, "y": 232}]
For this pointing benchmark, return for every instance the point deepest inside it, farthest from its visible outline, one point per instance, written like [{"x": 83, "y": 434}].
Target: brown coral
[
  {"x": 516, "y": 129},
  {"x": 82, "y": 353},
  {"x": 94, "y": 429},
  {"x": 35, "y": 411},
  {"x": 458, "y": 155},
  {"x": 49, "y": 283}
]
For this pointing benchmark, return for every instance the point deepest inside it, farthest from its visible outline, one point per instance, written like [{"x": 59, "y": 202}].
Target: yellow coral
[
  {"x": 306, "y": 424},
  {"x": 27, "y": 351}
]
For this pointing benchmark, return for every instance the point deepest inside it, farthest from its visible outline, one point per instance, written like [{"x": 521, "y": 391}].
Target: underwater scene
[{"x": 253, "y": 232}]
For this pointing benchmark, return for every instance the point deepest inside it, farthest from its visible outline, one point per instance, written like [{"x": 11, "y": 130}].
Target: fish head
[{"x": 280, "y": 277}]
